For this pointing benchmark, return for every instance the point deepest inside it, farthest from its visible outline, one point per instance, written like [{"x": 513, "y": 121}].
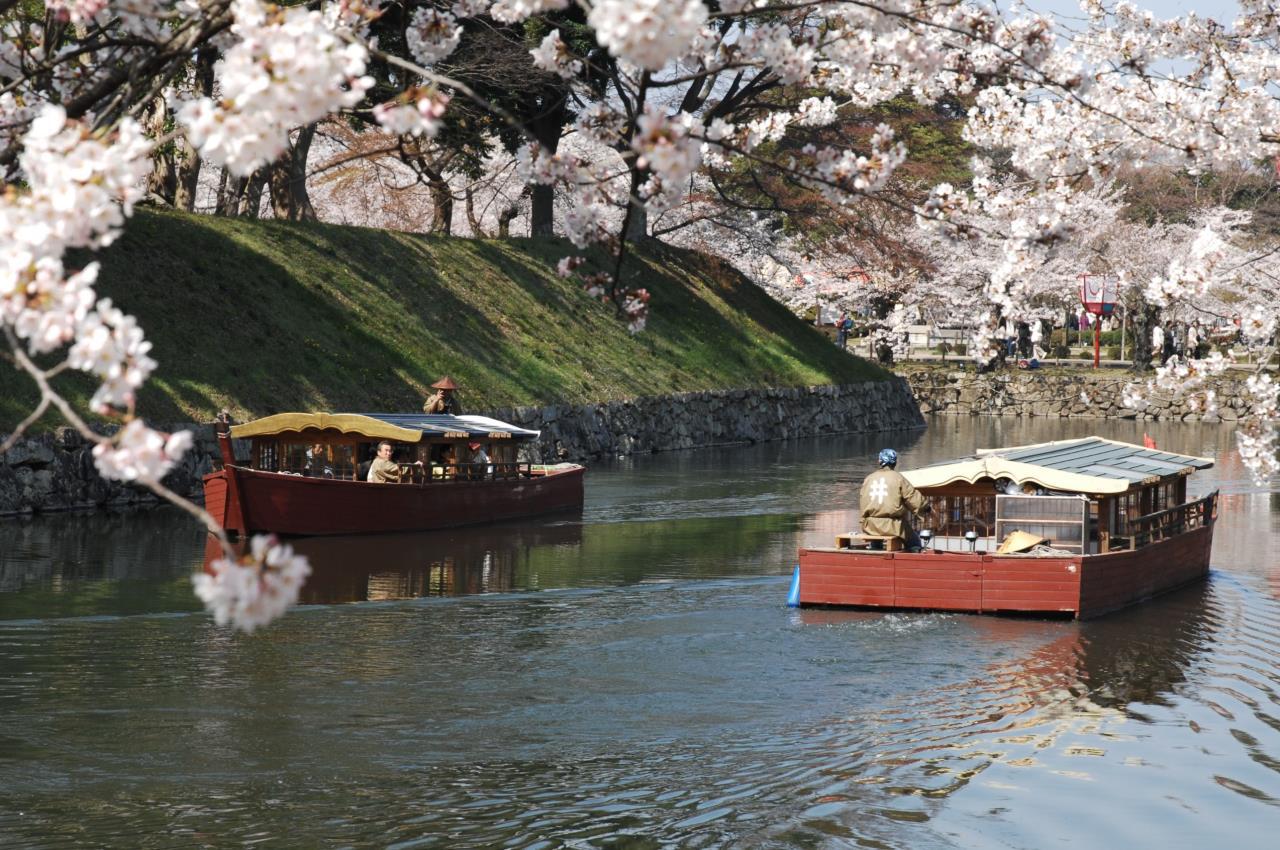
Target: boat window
[
  {"x": 342, "y": 459},
  {"x": 293, "y": 457},
  {"x": 952, "y": 516},
  {"x": 266, "y": 455},
  {"x": 1063, "y": 520},
  {"x": 1128, "y": 508}
]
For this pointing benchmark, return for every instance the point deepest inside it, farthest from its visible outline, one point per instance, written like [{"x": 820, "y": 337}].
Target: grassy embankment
[{"x": 262, "y": 317}]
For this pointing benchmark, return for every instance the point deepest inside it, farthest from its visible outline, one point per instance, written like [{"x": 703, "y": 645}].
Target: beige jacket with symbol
[{"x": 886, "y": 500}]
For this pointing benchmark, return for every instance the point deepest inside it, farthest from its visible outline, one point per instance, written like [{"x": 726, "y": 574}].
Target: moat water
[{"x": 631, "y": 678}]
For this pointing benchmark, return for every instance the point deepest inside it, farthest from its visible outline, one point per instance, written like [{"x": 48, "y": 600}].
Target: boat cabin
[
  {"x": 1084, "y": 497},
  {"x": 341, "y": 446}
]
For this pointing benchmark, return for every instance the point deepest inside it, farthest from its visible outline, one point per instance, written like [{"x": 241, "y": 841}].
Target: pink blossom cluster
[
  {"x": 432, "y": 34},
  {"x": 75, "y": 11},
  {"x": 140, "y": 453},
  {"x": 419, "y": 112},
  {"x": 670, "y": 154},
  {"x": 110, "y": 344},
  {"x": 513, "y": 11},
  {"x": 647, "y": 33},
  {"x": 553, "y": 55},
  {"x": 254, "y": 590},
  {"x": 288, "y": 68}
]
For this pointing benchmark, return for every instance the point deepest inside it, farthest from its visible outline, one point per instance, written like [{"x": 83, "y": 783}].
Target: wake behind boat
[
  {"x": 1079, "y": 527},
  {"x": 307, "y": 474}
]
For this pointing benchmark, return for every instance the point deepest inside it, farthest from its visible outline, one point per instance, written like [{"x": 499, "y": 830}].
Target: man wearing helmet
[{"x": 887, "y": 499}]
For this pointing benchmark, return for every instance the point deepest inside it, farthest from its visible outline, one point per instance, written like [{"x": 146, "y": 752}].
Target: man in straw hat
[{"x": 445, "y": 399}]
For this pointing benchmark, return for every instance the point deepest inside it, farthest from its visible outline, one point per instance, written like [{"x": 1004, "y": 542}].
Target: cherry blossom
[
  {"x": 288, "y": 68},
  {"x": 432, "y": 34},
  {"x": 254, "y": 590},
  {"x": 418, "y": 113},
  {"x": 553, "y": 55},
  {"x": 140, "y": 453},
  {"x": 649, "y": 33}
]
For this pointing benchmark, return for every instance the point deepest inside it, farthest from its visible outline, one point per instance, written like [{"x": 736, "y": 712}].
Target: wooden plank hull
[
  {"x": 1082, "y": 586},
  {"x": 249, "y": 501}
]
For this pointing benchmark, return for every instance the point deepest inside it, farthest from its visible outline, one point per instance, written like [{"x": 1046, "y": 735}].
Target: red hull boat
[
  {"x": 304, "y": 476},
  {"x": 1108, "y": 524}
]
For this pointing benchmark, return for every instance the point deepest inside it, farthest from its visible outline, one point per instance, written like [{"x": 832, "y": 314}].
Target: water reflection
[
  {"x": 454, "y": 562},
  {"x": 653, "y": 691}
]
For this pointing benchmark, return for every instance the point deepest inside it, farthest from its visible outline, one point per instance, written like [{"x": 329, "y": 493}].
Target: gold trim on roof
[{"x": 347, "y": 423}]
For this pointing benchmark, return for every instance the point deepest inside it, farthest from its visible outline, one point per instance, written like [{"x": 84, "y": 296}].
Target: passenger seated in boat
[
  {"x": 480, "y": 465},
  {"x": 384, "y": 470},
  {"x": 886, "y": 501},
  {"x": 444, "y": 466},
  {"x": 317, "y": 462}
]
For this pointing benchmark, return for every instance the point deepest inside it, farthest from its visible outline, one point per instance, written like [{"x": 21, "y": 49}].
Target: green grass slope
[{"x": 263, "y": 317}]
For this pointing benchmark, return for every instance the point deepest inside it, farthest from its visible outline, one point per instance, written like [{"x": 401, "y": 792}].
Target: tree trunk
[
  {"x": 546, "y": 127},
  {"x": 287, "y": 178},
  {"x": 477, "y": 229},
  {"x": 251, "y": 201},
  {"x": 638, "y": 218},
  {"x": 504, "y": 220},
  {"x": 542, "y": 211},
  {"x": 162, "y": 182},
  {"x": 188, "y": 178},
  {"x": 189, "y": 164},
  {"x": 1145, "y": 318},
  {"x": 230, "y": 189},
  {"x": 441, "y": 206}
]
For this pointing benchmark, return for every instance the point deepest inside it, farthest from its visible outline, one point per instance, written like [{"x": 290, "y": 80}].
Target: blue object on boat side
[{"x": 793, "y": 595}]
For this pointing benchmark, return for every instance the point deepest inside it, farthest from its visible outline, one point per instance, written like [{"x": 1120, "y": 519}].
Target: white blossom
[
  {"x": 139, "y": 453},
  {"x": 421, "y": 116},
  {"x": 553, "y": 55},
  {"x": 512, "y": 11},
  {"x": 254, "y": 590},
  {"x": 432, "y": 34},
  {"x": 287, "y": 69},
  {"x": 648, "y": 33}
]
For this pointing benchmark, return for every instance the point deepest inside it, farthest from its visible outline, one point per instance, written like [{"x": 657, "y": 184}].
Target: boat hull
[
  {"x": 1081, "y": 586},
  {"x": 249, "y": 501}
]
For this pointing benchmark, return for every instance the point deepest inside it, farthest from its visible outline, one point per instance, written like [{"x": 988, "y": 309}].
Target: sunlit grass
[{"x": 262, "y": 317}]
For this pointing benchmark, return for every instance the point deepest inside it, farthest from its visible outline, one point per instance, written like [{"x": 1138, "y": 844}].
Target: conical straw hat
[
  {"x": 1020, "y": 541},
  {"x": 445, "y": 383}
]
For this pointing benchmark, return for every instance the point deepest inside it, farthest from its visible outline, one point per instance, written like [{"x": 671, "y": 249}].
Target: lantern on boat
[
  {"x": 926, "y": 538},
  {"x": 972, "y": 537}
]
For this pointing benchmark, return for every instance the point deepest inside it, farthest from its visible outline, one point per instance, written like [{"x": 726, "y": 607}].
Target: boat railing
[
  {"x": 1170, "y": 522},
  {"x": 439, "y": 473}
]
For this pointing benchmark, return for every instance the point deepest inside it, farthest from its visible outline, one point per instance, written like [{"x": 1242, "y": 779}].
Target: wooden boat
[
  {"x": 1111, "y": 521},
  {"x": 305, "y": 475}
]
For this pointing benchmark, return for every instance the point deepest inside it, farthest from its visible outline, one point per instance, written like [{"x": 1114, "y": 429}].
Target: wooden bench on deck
[{"x": 889, "y": 543}]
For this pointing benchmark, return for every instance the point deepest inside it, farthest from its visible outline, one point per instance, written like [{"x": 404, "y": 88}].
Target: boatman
[
  {"x": 445, "y": 399},
  {"x": 887, "y": 499}
]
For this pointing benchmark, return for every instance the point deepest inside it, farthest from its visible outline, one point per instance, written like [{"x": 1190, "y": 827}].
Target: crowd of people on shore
[{"x": 1026, "y": 345}]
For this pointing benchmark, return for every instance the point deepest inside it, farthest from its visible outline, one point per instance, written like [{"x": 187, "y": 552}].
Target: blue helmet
[{"x": 888, "y": 457}]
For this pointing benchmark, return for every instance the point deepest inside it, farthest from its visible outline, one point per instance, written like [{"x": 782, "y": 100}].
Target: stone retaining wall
[
  {"x": 53, "y": 472},
  {"x": 1084, "y": 395}
]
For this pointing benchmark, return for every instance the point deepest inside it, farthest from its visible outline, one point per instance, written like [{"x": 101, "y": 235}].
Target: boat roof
[
  {"x": 400, "y": 427},
  {"x": 1087, "y": 465}
]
